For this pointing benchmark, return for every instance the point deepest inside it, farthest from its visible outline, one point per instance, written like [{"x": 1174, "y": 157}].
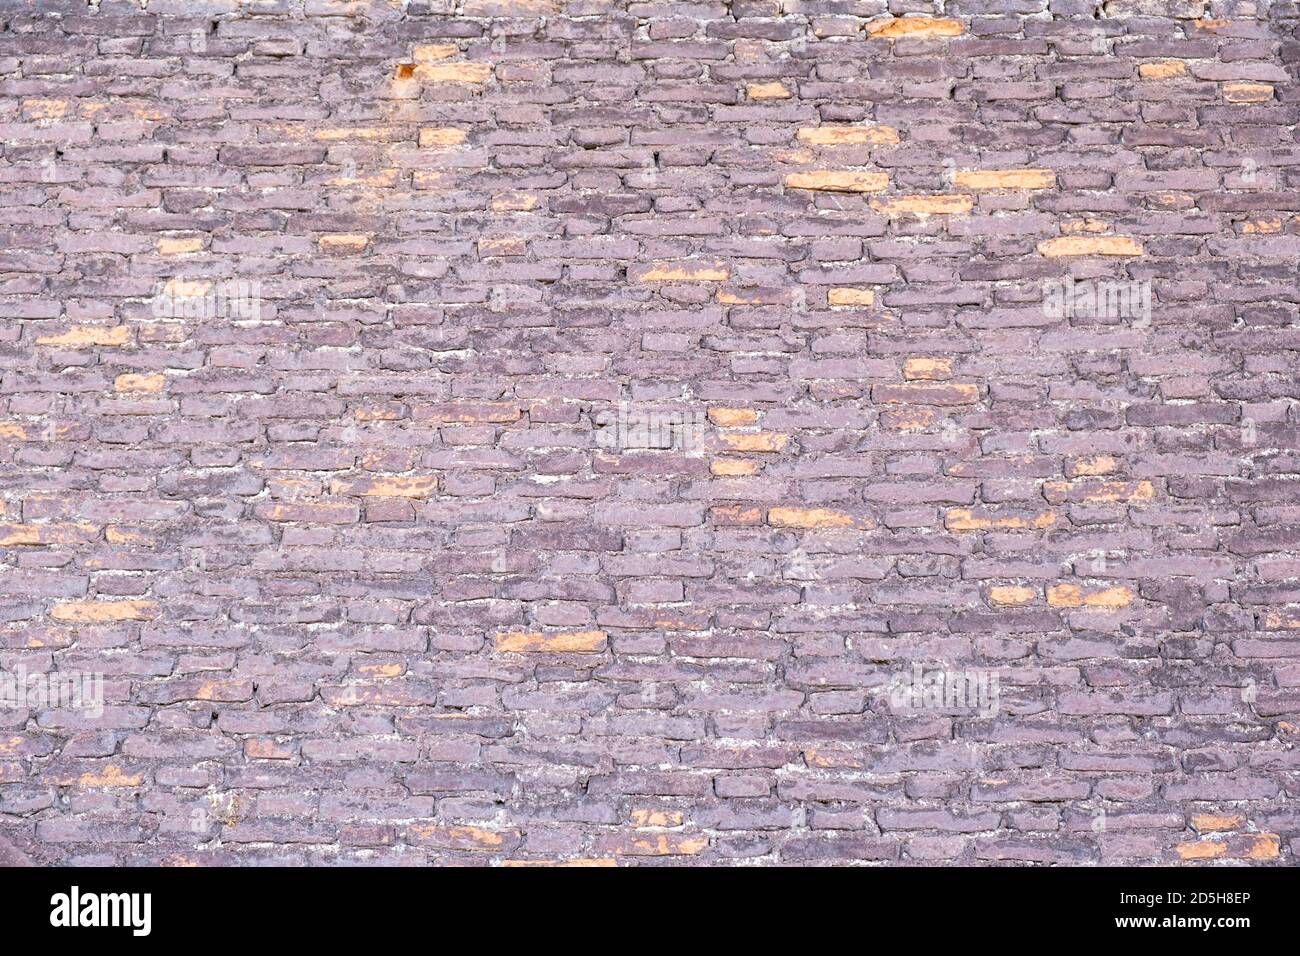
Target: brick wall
[{"x": 573, "y": 430}]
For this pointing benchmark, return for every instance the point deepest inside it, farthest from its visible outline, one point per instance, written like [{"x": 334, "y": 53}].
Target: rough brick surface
[{"x": 369, "y": 581}]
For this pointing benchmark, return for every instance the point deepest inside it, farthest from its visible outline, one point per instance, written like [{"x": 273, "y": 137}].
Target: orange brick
[
  {"x": 767, "y": 91},
  {"x": 458, "y": 73},
  {"x": 850, "y": 297},
  {"x": 928, "y": 369},
  {"x": 1205, "y": 850},
  {"x": 982, "y": 180},
  {"x": 1099, "y": 492},
  {"x": 515, "y": 202},
  {"x": 732, "y": 468},
  {"x": 1090, "y": 246},
  {"x": 848, "y": 135},
  {"x": 1210, "y": 823},
  {"x": 175, "y": 247},
  {"x": 45, "y": 535},
  {"x": 110, "y": 776},
  {"x": 533, "y": 642},
  {"x": 433, "y": 52},
  {"x": 732, "y": 417},
  {"x": 89, "y": 335},
  {"x": 1072, "y": 595},
  {"x": 926, "y": 393},
  {"x": 915, "y": 28},
  {"x": 1095, "y": 465},
  {"x": 755, "y": 441},
  {"x": 656, "y": 818},
  {"x": 1247, "y": 92},
  {"x": 735, "y": 515},
  {"x": 966, "y": 519},
  {"x": 684, "y": 271},
  {"x": 1011, "y": 596},
  {"x": 344, "y": 242},
  {"x": 808, "y": 518},
  {"x": 838, "y": 180},
  {"x": 947, "y": 205},
  {"x": 442, "y": 136},
  {"x": 1162, "y": 70},
  {"x": 418, "y": 486},
  {"x": 138, "y": 383},
  {"x": 104, "y": 612}
]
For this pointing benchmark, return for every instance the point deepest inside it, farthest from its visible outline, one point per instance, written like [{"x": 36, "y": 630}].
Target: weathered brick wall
[{"x": 318, "y": 318}]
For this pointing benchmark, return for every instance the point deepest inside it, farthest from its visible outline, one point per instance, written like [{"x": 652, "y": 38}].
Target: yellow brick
[
  {"x": 662, "y": 845},
  {"x": 927, "y": 369},
  {"x": 454, "y": 72},
  {"x": 473, "y": 839},
  {"x": 924, "y": 393},
  {"x": 1261, "y": 226},
  {"x": 915, "y": 28},
  {"x": 1210, "y": 823},
  {"x": 1274, "y": 620},
  {"x": 732, "y": 468},
  {"x": 515, "y": 202},
  {"x": 1105, "y": 491},
  {"x": 1266, "y": 846},
  {"x": 767, "y": 91},
  {"x": 808, "y": 518},
  {"x": 1071, "y": 595},
  {"x": 433, "y": 52},
  {"x": 732, "y": 515},
  {"x": 1011, "y": 596},
  {"x": 838, "y": 180},
  {"x": 756, "y": 441},
  {"x": 1075, "y": 227},
  {"x": 96, "y": 612},
  {"x": 344, "y": 242},
  {"x": 732, "y": 417},
  {"x": 574, "y": 642},
  {"x": 963, "y": 519},
  {"x": 988, "y": 179},
  {"x": 38, "y": 109},
  {"x": 908, "y": 419},
  {"x": 88, "y": 335},
  {"x": 177, "y": 247},
  {"x": 126, "y": 536},
  {"x": 442, "y": 136},
  {"x": 1162, "y": 70},
  {"x": 138, "y": 383},
  {"x": 897, "y": 206},
  {"x": 848, "y": 135},
  {"x": 40, "y": 535},
  {"x": 1090, "y": 246},
  {"x": 1247, "y": 92},
  {"x": 685, "y": 271},
  {"x": 656, "y": 818},
  {"x": 503, "y": 246},
  {"x": 382, "y": 670},
  {"x": 1201, "y": 851},
  {"x": 850, "y": 297},
  {"x": 420, "y": 486},
  {"x": 110, "y": 776},
  {"x": 1095, "y": 465}
]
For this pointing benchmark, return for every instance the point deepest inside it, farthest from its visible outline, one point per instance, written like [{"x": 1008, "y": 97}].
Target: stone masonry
[{"x": 520, "y": 432}]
